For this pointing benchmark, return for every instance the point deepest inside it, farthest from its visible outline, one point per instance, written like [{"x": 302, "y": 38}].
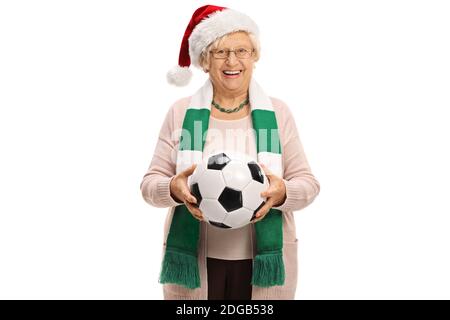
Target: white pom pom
[{"x": 179, "y": 76}]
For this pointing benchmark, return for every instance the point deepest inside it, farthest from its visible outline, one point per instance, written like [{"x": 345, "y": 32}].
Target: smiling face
[{"x": 231, "y": 75}]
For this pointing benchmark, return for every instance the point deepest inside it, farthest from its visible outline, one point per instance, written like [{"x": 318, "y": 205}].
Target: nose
[{"x": 231, "y": 59}]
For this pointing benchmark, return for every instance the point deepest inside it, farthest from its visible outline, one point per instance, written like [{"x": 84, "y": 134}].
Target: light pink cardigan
[{"x": 301, "y": 189}]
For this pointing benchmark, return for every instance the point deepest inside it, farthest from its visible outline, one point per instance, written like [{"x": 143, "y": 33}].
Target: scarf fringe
[
  {"x": 181, "y": 269},
  {"x": 268, "y": 270}
]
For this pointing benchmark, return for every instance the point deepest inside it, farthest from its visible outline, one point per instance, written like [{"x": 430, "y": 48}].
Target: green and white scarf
[{"x": 180, "y": 263}]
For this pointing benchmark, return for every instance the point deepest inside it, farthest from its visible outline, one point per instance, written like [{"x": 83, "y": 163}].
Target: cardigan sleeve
[
  {"x": 301, "y": 185},
  {"x": 155, "y": 185}
]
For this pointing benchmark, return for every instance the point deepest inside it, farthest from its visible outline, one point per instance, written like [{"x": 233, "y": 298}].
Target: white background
[{"x": 83, "y": 95}]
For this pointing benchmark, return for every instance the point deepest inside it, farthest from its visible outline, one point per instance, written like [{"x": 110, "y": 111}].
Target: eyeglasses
[{"x": 241, "y": 53}]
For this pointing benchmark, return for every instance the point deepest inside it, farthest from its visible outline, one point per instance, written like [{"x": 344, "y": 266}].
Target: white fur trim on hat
[
  {"x": 215, "y": 26},
  {"x": 179, "y": 76}
]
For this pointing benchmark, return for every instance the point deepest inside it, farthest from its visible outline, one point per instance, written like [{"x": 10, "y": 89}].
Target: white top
[{"x": 233, "y": 135}]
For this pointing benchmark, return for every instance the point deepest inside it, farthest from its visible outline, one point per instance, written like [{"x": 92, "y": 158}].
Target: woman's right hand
[{"x": 179, "y": 190}]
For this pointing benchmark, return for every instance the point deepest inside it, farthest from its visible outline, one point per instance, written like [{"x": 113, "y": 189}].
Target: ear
[{"x": 205, "y": 67}]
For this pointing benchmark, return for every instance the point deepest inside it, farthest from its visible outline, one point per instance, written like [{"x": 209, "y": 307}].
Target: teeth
[{"x": 231, "y": 72}]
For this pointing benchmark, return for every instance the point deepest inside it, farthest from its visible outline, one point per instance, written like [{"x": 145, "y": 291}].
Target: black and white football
[{"x": 227, "y": 187}]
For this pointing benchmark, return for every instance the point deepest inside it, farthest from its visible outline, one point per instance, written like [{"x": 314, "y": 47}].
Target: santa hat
[{"x": 207, "y": 24}]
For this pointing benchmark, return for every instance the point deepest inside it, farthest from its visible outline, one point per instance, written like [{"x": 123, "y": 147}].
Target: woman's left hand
[{"x": 275, "y": 194}]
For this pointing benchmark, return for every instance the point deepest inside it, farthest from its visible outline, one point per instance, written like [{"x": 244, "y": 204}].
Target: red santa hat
[{"x": 207, "y": 24}]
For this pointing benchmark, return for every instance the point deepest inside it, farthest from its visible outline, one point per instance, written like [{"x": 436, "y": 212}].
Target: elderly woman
[{"x": 202, "y": 261}]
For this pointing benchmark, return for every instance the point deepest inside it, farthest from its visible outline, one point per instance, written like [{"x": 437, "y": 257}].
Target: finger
[
  {"x": 194, "y": 211},
  {"x": 273, "y": 190},
  {"x": 264, "y": 209},
  {"x": 189, "y": 197},
  {"x": 268, "y": 192},
  {"x": 260, "y": 217},
  {"x": 189, "y": 170}
]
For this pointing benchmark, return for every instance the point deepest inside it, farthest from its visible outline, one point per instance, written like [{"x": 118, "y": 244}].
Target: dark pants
[{"x": 229, "y": 279}]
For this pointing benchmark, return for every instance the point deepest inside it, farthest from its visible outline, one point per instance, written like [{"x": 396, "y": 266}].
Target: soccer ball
[{"x": 227, "y": 187}]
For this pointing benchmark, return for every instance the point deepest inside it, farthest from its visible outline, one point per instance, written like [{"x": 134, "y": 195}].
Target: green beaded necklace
[{"x": 218, "y": 107}]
